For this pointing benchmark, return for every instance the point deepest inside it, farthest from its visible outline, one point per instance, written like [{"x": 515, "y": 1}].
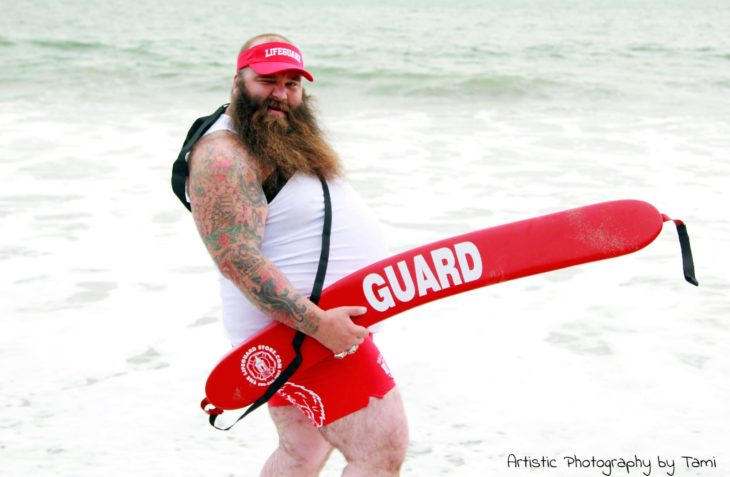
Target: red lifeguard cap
[{"x": 271, "y": 58}]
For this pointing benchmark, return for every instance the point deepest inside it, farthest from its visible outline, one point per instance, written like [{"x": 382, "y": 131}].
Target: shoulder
[
  {"x": 222, "y": 154},
  {"x": 221, "y": 169},
  {"x": 218, "y": 149}
]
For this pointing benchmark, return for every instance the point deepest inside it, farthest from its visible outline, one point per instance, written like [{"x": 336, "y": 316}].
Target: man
[{"x": 256, "y": 197}]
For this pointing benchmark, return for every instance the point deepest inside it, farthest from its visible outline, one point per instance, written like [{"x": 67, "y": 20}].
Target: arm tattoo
[{"x": 229, "y": 208}]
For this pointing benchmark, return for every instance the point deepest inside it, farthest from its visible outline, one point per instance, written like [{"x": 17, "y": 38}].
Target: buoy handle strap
[{"x": 687, "y": 260}]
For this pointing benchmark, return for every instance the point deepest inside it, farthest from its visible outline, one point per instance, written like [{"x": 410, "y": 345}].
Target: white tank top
[{"x": 293, "y": 241}]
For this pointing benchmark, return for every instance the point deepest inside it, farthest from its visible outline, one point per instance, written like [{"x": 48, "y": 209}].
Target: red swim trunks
[{"x": 335, "y": 388}]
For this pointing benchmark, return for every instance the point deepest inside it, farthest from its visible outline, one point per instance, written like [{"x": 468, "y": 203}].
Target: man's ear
[{"x": 234, "y": 86}]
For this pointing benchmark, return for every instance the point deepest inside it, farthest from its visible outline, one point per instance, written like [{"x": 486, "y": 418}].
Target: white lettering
[
  {"x": 453, "y": 267},
  {"x": 384, "y": 299},
  {"x": 283, "y": 52},
  {"x": 424, "y": 276},
  {"x": 443, "y": 260},
  {"x": 465, "y": 250},
  {"x": 402, "y": 294}
]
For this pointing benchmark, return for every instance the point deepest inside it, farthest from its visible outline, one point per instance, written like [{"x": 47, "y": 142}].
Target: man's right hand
[{"x": 337, "y": 332}]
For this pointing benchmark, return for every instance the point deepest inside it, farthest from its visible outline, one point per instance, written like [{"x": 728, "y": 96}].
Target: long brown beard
[{"x": 284, "y": 145}]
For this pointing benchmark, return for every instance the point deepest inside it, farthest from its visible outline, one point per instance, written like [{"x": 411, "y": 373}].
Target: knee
[
  {"x": 396, "y": 441},
  {"x": 387, "y": 461},
  {"x": 396, "y": 448},
  {"x": 387, "y": 456},
  {"x": 309, "y": 456},
  {"x": 290, "y": 461}
]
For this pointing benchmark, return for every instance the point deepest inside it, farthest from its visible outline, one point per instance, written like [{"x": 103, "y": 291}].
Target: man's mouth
[{"x": 276, "y": 109}]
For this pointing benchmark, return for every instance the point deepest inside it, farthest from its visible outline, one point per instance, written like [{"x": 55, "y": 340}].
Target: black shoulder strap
[
  {"x": 299, "y": 336},
  {"x": 180, "y": 166}
]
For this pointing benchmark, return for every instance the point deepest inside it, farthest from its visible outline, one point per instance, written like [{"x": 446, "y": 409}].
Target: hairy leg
[
  {"x": 374, "y": 439},
  {"x": 302, "y": 450}
]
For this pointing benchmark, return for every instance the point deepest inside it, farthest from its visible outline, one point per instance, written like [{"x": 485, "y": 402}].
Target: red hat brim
[{"x": 272, "y": 68}]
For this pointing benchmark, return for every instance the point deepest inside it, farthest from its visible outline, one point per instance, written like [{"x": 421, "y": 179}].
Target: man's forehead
[{"x": 289, "y": 75}]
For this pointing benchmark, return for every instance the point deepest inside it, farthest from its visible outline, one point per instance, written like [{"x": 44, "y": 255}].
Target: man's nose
[{"x": 279, "y": 92}]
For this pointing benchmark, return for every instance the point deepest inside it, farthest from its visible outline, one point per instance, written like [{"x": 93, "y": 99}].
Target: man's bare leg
[
  {"x": 374, "y": 439},
  {"x": 302, "y": 450}
]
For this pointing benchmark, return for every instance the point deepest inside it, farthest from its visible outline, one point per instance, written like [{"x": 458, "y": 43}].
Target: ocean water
[{"x": 450, "y": 117}]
